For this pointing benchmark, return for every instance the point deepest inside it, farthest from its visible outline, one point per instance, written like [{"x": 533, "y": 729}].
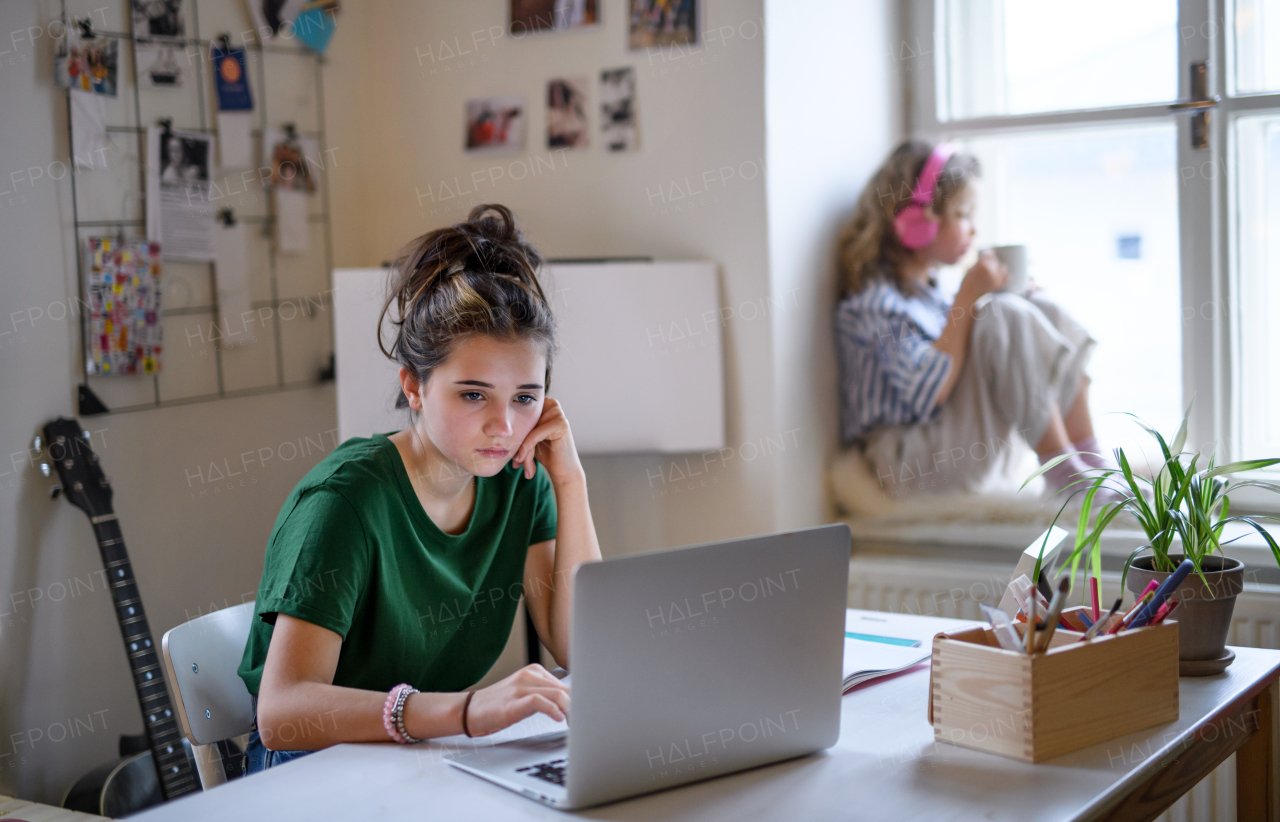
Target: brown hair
[
  {"x": 475, "y": 277},
  {"x": 869, "y": 245}
]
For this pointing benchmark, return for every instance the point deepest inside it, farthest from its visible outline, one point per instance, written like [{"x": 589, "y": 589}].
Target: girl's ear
[{"x": 410, "y": 385}]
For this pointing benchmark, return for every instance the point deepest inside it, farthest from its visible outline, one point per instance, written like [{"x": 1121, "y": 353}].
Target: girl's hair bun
[{"x": 475, "y": 277}]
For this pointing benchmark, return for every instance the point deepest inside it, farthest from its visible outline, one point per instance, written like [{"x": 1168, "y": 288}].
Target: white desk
[{"x": 886, "y": 766}]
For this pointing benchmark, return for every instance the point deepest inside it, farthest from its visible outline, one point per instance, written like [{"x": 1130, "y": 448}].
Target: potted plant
[{"x": 1184, "y": 502}]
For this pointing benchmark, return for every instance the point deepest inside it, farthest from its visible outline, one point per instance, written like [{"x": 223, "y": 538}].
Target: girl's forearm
[
  {"x": 955, "y": 341},
  {"x": 307, "y": 716},
  {"x": 576, "y": 543}
]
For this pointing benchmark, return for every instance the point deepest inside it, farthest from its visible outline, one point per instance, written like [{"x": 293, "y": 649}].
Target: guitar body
[
  {"x": 158, "y": 766},
  {"x": 118, "y": 788}
]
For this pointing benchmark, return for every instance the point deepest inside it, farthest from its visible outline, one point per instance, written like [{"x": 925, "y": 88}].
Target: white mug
[{"x": 1014, "y": 258}]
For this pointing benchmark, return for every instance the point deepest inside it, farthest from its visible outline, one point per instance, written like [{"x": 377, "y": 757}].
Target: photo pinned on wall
[
  {"x": 295, "y": 164},
  {"x": 618, "y": 108},
  {"x": 87, "y": 63},
  {"x": 551, "y": 15},
  {"x": 179, "y": 208},
  {"x": 567, "y": 112},
  {"x": 159, "y": 30},
  {"x": 495, "y": 124},
  {"x": 657, "y": 23},
  {"x": 311, "y": 21},
  {"x": 122, "y": 284},
  {"x": 158, "y": 18},
  {"x": 295, "y": 160},
  {"x": 231, "y": 79}
]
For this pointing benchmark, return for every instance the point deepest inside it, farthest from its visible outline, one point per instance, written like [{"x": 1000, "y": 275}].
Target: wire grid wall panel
[{"x": 288, "y": 339}]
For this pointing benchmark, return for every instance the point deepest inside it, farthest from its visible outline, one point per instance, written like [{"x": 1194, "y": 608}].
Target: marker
[
  {"x": 1168, "y": 608},
  {"x": 1093, "y": 590},
  {"x": 1162, "y": 593}
]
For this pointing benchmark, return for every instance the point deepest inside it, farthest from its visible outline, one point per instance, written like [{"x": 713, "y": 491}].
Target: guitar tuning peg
[
  {"x": 45, "y": 469},
  {"x": 85, "y": 435},
  {"x": 37, "y": 444},
  {"x": 54, "y": 491}
]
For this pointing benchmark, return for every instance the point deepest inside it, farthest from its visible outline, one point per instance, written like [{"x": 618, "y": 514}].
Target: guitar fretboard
[{"x": 177, "y": 776}]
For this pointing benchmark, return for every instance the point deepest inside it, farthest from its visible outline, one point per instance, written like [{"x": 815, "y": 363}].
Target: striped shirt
[{"x": 890, "y": 372}]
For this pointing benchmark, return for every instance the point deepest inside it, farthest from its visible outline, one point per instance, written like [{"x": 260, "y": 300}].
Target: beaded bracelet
[{"x": 393, "y": 713}]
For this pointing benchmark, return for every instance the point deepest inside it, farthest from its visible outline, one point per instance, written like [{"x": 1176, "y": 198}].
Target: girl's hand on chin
[{"x": 550, "y": 443}]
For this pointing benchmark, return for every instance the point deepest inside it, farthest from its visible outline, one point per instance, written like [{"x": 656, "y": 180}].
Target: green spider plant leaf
[
  {"x": 1053, "y": 463},
  {"x": 1180, "y": 439},
  {"x": 1262, "y": 532},
  {"x": 1128, "y": 562},
  {"x": 1270, "y": 486},
  {"x": 1243, "y": 465}
]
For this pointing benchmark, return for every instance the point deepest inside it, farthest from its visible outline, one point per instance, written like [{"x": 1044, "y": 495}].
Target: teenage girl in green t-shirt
[{"x": 474, "y": 340}]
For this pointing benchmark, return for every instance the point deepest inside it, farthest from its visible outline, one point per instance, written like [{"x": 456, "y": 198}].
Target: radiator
[{"x": 954, "y": 589}]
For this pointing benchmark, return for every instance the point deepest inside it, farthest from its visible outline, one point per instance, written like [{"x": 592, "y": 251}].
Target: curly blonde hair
[{"x": 868, "y": 245}]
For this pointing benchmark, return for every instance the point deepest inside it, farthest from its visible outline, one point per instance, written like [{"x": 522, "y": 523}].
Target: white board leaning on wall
[{"x": 640, "y": 365}]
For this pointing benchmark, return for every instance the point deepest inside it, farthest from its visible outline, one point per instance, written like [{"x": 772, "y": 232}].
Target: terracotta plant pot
[{"x": 1204, "y": 617}]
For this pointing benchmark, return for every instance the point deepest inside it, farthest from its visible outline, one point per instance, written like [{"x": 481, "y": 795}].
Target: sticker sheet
[{"x": 123, "y": 282}]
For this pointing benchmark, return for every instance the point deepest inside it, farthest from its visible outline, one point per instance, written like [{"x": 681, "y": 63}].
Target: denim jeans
[{"x": 257, "y": 757}]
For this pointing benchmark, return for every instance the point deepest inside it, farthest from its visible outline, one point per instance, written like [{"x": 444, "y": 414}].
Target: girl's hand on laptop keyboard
[{"x": 528, "y": 691}]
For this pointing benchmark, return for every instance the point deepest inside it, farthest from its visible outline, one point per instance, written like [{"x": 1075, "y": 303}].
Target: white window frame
[{"x": 1209, "y": 275}]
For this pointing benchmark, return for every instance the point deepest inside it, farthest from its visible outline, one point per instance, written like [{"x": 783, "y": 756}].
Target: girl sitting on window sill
[{"x": 936, "y": 392}]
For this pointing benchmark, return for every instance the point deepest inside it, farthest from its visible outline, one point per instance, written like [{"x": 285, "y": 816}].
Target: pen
[
  {"x": 1055, "y": 611},
  {"x": 1124, "y": 621},
  {"x": 1093, "y": 590},
  {"x": 1095, "y": 627},
  {"x": 1164, "y": 611},
  {"x": 1162, "y": 593}
]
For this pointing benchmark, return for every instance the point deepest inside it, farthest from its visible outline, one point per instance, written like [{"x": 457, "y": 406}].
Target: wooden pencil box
[{"x": 1036, "y": 707}]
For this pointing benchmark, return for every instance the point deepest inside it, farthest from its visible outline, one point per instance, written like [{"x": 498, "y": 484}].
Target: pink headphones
[{"x": 912, "y": 225}]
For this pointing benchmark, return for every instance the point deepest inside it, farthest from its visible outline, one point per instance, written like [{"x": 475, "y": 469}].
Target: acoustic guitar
[{"x": 166, "y": 769}]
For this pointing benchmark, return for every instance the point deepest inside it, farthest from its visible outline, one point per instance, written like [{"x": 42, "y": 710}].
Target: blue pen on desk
[
  {"x": 1162, "y": 593},
  {"x": 887, "y": 640}
]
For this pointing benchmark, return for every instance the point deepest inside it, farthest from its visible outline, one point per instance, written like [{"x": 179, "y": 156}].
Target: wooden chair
[{"x": 214, "y": 707}]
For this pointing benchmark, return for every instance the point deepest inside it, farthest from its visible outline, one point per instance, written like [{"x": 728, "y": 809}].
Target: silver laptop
[{"x": 689, "y": 664}]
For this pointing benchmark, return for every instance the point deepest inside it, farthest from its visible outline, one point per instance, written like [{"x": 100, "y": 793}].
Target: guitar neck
[{"x": 177, "y": 776}]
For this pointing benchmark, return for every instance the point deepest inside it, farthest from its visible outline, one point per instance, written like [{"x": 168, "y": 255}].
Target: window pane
[
  {"x": 1257, "y": 222},
  {"x": 1257, "y": 45},
  {"x": 1025, "y": 56},
  {"x": 1098, "y": 212}
]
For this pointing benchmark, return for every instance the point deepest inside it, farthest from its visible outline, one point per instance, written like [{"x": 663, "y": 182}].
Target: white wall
[
  {"x": 195, "y": 543},
  {"x": 833, "y": 112},
  {"x": 699, "y": 112}
]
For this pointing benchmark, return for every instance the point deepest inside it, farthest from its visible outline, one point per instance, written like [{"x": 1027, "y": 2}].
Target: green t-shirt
[{"x": 354, "y": 551}]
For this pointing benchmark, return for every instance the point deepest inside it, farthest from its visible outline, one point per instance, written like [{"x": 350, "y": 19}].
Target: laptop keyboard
[{"x": 553, "y": 771}]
